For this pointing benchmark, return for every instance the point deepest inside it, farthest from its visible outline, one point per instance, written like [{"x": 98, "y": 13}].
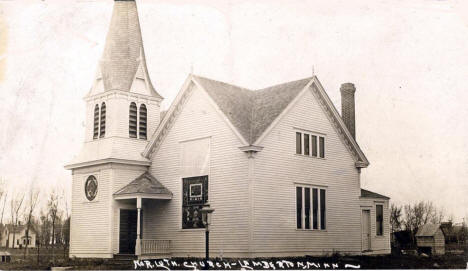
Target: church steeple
[{"x": 123, "y": 60}]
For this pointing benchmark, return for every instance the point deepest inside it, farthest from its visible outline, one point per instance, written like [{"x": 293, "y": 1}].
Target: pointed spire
[{"x": 124, "y": 53}]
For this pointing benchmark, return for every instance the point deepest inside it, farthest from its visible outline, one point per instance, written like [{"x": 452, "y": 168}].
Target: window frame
[
  {"x": 181, "y": 228},
  {"x": 316, "y": 147},
  {"x": 130, "y": 126},
  {"x": 311, "y": 207},
  {"x": 142, "y": 132},
  {"x": 379, "y": 232}
]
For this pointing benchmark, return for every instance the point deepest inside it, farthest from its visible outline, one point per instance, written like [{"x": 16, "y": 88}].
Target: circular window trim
[{"x": 89, "y": 180}]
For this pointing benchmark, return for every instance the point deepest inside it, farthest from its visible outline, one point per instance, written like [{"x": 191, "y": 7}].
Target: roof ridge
[
  {"x": 282, "y": 84},
  {"x": 217, "y": 81}
]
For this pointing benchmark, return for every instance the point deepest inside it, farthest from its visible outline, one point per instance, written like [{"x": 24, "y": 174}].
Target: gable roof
[
  {"x": 19, "y": 228},
  {"x": 252, "y": 113},
  {"x": 369, "y": 194},
  {"x": 427, "y": 230},
  {"x": 144, "y": 184}
]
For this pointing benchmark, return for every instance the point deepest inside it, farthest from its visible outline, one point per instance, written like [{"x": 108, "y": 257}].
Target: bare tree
[
  {"x": 396, "y": 216},
  {"x": 32, "y": 203},
  {"x": 53, "y": 212},
  {"x": 5, "y": 196},
  {"x": 419, "y": 214},
  {"x": 15, "y": 206}
]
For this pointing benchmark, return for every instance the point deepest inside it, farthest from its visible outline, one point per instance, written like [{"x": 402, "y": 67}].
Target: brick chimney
[{"x": 347, "y": 107}]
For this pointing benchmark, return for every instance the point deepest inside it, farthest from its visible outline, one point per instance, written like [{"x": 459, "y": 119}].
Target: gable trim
[
  {"x": 176, "y": 107},
  {"x": 156, "y": 137},
  {"x": 362, "y": 162}
]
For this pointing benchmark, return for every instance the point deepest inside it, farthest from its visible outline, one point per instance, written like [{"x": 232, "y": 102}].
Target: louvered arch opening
[
  {"x": 103, "y": 121},
  {"x": 132, "y": 121},
  {"x": 143, "y": 120},
  {"x": 96, "y": 122}
]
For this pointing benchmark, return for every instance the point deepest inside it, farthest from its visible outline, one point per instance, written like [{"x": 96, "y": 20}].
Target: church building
[{"x": 280, "y": 166}]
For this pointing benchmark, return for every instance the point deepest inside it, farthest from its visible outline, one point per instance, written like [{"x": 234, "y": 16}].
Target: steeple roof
[{"x": 124, "y": 57}]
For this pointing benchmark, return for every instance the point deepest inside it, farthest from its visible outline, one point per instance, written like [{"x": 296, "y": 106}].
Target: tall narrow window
[
  {"x": 307, "y": 207},
  {"x": 322, "y": 147},
  {"x": 143, "y": 117},
  {"x": 315, "y": 208},
  {"x": 298, "y": 143},
  {"x": 379, "y": 219},
  {"x": 132, "y": 125},
  {"x": 102, "y": 132},
  {"x": 96, "y": 122},
  {"x": 306, "y": 144},
  {"x": 299, "y": 207},
  {"x": 314, "y": 146},
  {"x": 322, "y": 209}
]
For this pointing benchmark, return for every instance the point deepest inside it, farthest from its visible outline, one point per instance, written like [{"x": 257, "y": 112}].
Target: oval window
[{"x": 91, "y": 186}]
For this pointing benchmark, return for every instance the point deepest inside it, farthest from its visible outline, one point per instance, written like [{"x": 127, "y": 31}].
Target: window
[
  {"x": 195, "y": 194},
  {"x": 142, "y": 123},
  {"x": 306, "y": 144},
  {"x": 310, "y": 145},
  {"x": 314, "y": 146},
  {"x": 310, "y": 208},
  {"x": 379, "y": 219},
  {"x": 91, "y": 187},
  {"x": 322, "y": 147},
  {"x": 298, "y": 143},
  {"x": 102, "y": 132},
  {"x": 96, "y": 122},
  {"x": 132, "y": 125}
]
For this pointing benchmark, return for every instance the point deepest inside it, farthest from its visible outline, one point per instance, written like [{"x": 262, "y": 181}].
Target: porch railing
[{"x": 153, "y": 246}]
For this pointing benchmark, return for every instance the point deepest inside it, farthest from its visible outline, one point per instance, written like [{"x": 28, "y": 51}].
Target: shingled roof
[
  {"x": 123, "y": 54},
  {"x": 427, "y": 230},
  {"x": 369, "y": 194},
  {"x": 252, "y": 112},
  {"x": 144, "y": 184}
]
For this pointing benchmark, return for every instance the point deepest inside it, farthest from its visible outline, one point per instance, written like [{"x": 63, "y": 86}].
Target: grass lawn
[{"x": 337, "y": 262}]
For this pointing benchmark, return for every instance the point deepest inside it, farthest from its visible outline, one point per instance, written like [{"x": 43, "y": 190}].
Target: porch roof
[{"x": 145, "y": 186}]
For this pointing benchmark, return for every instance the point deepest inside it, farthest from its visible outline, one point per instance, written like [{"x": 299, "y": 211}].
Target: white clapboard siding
[
  {"x": 89, "y": 225},
  {"x": 379, "y": 244},
  {"x": 228, "y": 186},
  {"x": 278, "y": 168}
]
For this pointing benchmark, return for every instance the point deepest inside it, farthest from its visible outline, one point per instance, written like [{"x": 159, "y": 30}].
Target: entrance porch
[{"x": 131, "y": 240}]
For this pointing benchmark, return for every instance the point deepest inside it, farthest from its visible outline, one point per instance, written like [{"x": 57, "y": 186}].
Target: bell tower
[{"x": 122, "y": 112}]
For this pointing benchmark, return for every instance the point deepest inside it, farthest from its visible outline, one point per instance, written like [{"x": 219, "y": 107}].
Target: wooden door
[
  {"x": 128, "y": 231},
  {"x": 365, "y": 229}
]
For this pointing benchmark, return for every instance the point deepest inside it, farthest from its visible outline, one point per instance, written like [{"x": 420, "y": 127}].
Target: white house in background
[
  {"x": 15, "y": 237},
  {"x": 280, "y": 166}
]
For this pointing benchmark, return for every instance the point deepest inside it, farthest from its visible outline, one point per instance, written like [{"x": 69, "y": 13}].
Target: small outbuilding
[{"x": 430, "y": 239}]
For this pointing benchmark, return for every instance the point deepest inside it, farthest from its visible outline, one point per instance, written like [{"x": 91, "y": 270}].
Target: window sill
[
  {"x": 308, "y": 156},
  {"x": 195, "y": 230},
  {"x": 311, "y": 230}
]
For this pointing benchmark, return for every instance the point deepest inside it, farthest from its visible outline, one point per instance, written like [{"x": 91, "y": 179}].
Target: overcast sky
[{"x": 408, "y": 60}]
